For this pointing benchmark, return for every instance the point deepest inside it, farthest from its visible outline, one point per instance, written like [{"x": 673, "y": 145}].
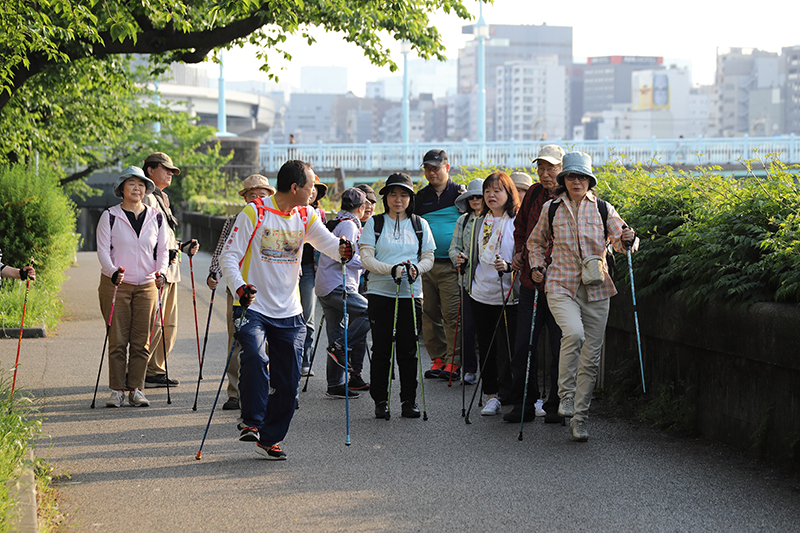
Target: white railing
[{"x": 515, "y": 154}]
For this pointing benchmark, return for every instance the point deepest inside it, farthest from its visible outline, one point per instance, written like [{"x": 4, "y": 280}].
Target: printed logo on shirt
[
  {"x": 281, "y": 245},
  {"x": 230, "y": 239}
]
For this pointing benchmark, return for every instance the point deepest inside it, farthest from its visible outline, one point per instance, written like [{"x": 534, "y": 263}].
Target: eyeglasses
[
  {"x": 573, "y": 177},
  {"x": 554, "y": 169}
]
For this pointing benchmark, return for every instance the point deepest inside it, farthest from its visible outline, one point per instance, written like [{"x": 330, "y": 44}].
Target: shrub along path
[{"x": 134, "y": 469}]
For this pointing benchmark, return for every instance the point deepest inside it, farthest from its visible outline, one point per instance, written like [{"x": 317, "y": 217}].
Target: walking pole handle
[{"x": 397, "y": 278}]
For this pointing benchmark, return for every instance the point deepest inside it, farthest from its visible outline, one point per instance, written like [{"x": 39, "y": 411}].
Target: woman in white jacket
[{"x": 132, "y": 248}]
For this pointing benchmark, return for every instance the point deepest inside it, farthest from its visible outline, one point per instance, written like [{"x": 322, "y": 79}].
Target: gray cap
[
  {"x": 353, "y": 198},
  {"x": 133, "y": 172}
]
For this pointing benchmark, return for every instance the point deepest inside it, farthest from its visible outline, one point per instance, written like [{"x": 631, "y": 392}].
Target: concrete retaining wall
[{"x": 739, "y": 369}]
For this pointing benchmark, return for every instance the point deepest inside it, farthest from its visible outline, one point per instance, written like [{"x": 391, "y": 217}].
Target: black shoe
[
  {"x": 273, "y": 453},
  {"x": 357, "y": 383},
  {"x": 435, "y": 370},
  {"x": 231, "y": 405},
  {"x": 381, "y": 410},
  {"x": 159, "y": 380},
  {"x": 340, "y": 392},
  {"x": 552, "y": 417},
  {"x": 249, "y": 434},
  {"x": 336, "y": 353},
  {"x": 410, "y": 410},
  {"x": 450, "y": 370},
  {"x": 515, "y": 415}
]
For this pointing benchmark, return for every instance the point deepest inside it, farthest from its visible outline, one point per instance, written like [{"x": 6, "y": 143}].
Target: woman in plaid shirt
[{"x": 581, "y": 311}]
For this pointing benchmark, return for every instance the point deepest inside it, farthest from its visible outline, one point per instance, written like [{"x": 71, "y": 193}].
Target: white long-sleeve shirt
[{"x": 273, "y": 262}]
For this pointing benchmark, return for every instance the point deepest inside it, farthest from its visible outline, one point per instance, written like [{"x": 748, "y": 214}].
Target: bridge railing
[{"x": 514, "y": 154}]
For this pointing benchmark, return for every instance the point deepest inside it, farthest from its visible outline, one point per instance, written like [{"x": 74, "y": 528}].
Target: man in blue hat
[{"x": 436, "y": 204}]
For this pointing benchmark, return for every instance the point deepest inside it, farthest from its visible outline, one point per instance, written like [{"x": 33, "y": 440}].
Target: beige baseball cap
[
  {"x": 164, "y": 160},
  {"x": 552, "y": 153},
  {"x": 521, "y": 180},
  {"x": 256, "y": 181}
]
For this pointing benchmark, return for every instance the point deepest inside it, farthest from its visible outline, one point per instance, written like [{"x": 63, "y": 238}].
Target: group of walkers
[{"x": 485, "y": 267}]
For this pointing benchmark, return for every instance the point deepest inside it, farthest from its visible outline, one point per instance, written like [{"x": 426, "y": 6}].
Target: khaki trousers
[
  {"x": 128, "y": 351},
  {"x": 169, "y": 306},
  {"x": 440, "y": 311},
  {"x": 583, "y": 325}
]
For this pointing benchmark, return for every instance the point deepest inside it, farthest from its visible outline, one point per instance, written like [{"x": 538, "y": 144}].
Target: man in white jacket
[{"x": 261, "y": 266}]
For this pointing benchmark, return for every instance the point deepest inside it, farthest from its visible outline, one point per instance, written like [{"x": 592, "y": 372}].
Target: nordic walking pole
[
  {"x": 346, "y": 362},
  {"x": 463, "y": 356},
  {"x": 483, "y": 365},
  {"x": 21, "y": 326},
  {"x": 314, "y": 352},
  {"x": 528, "y": 365},
  {"x": 249, "y": 290},
  {"x": 397, "y": 281},
  {"x": 416, "y": 336},
  {"x": 164, "y": 343},
  {"x": 455, "y": 341},
  {"x": 635, "y": 312},
  {"x": 205, "y": 343},
  {"x": 108, "y": 328},
  {"x": 196, "y": 327}
]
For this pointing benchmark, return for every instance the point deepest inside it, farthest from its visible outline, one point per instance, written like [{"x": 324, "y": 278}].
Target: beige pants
[
  {"x": 440, "y": 312},
  {"x": 134, "y": 310},
  {"x": 583, "y": 325},
  {"x": 169, "y": 305}
]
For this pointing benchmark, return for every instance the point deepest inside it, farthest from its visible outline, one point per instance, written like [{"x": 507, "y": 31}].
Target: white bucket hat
[{"x": 475, "y": 188}]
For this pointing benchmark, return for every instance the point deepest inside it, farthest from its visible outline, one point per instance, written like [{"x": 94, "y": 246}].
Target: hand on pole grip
[
  {"x": 193, "y": 247},
  {"x": 537, "y": 274},
  {"x": 345, "y": 249},
  {"x": 246, "y": 294},
  {"x": 27, "y": 272},
  {"x": 173, "y": 255},
  {"x": 116, "y": 277},
  {"x": 398, "y": 276},
  {"x": 628, "y": 243},
  {"x": 211, "y": 280},
  {"x": 411, "y": 272},
  {"x": 461, "y": 262},
  {"x": 161, "y": 280}
]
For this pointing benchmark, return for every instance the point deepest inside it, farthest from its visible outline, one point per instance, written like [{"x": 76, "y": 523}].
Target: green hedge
[{"x": 38, "y": 222}]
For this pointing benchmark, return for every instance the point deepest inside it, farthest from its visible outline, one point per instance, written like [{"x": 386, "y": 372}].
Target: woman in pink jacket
[{"x": 132, "y": 248}]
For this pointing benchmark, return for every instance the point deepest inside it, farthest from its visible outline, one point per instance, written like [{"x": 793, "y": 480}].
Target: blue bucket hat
[
  {"x": 577, "y": 163},
  {"x": 475, "y": 188},
  {"x": 133, "y": 172}
]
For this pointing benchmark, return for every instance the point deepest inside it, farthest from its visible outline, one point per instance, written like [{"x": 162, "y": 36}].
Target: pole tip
[
  {"x": 520, "y": 436},
  {"x": 199, "y": 454}
]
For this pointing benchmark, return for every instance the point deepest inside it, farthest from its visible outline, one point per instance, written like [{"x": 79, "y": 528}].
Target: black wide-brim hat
[{"x": 398, "y": 179}]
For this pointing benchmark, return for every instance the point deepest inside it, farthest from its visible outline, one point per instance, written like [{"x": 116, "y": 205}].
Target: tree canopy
[{"x": 36, "y": 35}]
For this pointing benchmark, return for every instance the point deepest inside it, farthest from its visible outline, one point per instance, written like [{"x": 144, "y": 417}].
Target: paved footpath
[{"x": 134, "y": 469}]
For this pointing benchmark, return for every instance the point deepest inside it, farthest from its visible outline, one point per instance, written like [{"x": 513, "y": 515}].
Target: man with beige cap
[
  {"x": 255, "y": 186},
  {"x": 548, "y": 165},
  {"x": 159, "y": 168}
]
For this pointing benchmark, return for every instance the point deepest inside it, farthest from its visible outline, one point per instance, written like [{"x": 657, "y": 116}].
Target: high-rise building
[
  {"x": 531, "y": 100},
  {"x": 740, "y": 71},
  {"x": 607, "y": 80},
  {"x": 791, "y": 69}
]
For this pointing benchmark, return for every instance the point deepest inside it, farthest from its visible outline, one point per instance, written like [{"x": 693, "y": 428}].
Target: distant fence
[{"x": 511, "y": 154}]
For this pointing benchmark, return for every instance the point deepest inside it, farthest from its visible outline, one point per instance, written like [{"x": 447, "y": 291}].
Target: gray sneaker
[
  {"x": 577, "y": 428},
  {"x": 117, "y": 399},
  {"x": 136, "y": 398},
  {"x": 567, "y": 406}
]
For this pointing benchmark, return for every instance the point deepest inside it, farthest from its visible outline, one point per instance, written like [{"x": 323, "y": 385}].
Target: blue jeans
[
  {"x": 309, "y": 302},
  {"x": 268, "y": 384},
  {"x": 543, "y": 318},
  {"x": 357, "y": 330}
]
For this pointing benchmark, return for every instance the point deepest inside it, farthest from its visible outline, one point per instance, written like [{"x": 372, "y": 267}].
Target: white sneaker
[
  {"x": 306, "y": 371},
  {"x": 539, "y": 410},
  {"x": 117, "y": 399},
  {"x": 491, "y": 408},
  {"x": 470, "y": 378},
  {"x": 136, "y": 398}
]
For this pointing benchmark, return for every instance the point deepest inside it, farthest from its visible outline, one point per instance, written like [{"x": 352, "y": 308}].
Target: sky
[{"x": 684, "y": 32}]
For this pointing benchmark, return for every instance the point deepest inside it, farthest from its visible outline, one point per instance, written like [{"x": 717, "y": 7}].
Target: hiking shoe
[
  {"x": 491, "y": 408},
  {"x": 450, "y": 370},
  {"x": 470, "y": 378},
  {"x": 231, "y": 405},
  {"x": 356, "y": 382},
  {"x": 249, "y": 434},
  {"x": 159, "y": 380},
  {"x": 273, "y": 453},
  {"x": 552, "y": 418},
  {"x": 515, "y": 415},
  {"x": 567, "y": 407},
  {"x": 577, "y": 428},
  {"x": 336, "y": 353},
  {"x": 382, "y": 410},
  {"x": 409, "y": 410},
  {"x": 136, "y": 398},
  {"x": 117, "y": 399},
  {"x": 436, "y": 369},
  {"x": 539, "y": 410},
  {"x": 306, "y": 372},
  {"x": 339, "y": 391}
]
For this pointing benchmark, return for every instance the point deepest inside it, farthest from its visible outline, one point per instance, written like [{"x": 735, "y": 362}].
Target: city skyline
[{"x": 701, "y": 30}]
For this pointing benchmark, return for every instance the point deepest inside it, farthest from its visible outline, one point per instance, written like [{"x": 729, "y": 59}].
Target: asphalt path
[{"x": 135, "y": 468}]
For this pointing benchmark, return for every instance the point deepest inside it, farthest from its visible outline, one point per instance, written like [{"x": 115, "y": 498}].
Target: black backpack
[
  {"x": 602, "y": 207},
  {"x": 416, "y": 223}
]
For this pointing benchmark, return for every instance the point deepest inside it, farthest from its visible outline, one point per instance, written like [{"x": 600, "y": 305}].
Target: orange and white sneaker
[{"x": 273, "y": 453}]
